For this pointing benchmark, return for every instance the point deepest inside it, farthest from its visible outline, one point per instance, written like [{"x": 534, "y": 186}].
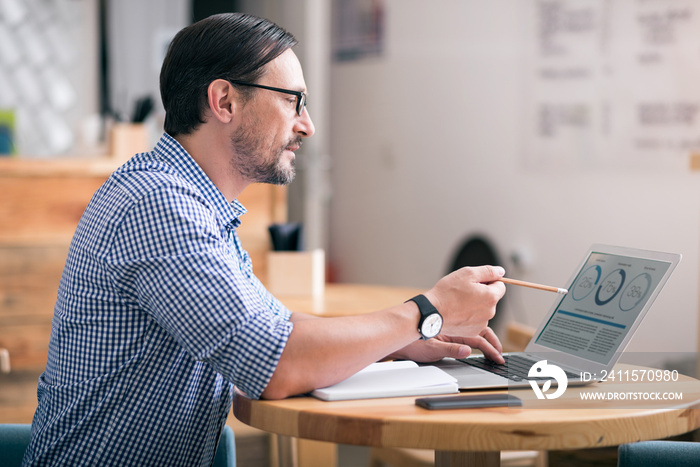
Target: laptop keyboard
[{"x": 516, "y": 367}]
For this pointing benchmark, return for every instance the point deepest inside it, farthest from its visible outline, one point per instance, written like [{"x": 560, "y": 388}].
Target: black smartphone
[{"x": 469, "y": 401}]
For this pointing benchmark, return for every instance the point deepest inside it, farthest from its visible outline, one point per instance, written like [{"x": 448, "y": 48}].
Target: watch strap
[{"x": 425, "y": 308}]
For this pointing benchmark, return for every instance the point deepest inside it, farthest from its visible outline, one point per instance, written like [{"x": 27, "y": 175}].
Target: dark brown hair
[{"x": 231, "y": 46}]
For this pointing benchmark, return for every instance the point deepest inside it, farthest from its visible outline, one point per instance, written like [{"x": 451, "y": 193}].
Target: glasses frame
[{"x": 301, "y": 96}]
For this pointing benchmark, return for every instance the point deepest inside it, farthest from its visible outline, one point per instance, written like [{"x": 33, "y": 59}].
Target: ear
[{"x": 221, "y": 100}]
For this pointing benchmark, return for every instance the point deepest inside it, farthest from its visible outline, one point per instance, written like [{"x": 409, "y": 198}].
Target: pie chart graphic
[
  {"x": 635, "y": 292},
  {"x": 610, "y": 287},
  {"x": 586, "y": 282}
]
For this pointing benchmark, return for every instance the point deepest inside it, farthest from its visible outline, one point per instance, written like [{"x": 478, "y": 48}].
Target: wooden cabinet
[{"x": 41, "y": 202}]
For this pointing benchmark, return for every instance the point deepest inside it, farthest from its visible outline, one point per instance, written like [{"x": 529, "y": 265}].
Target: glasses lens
[{"x": 301, "y": 103}]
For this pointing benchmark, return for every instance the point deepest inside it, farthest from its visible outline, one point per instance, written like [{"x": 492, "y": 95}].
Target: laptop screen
[{"x": 603, "y": 302}]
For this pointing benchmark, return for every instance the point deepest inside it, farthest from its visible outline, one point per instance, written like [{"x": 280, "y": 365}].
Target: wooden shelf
[{"x": 18, "y": 167}]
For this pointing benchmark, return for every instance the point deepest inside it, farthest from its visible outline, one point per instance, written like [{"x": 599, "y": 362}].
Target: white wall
[
  {"x": 138, "y": 34},
  {"x": 426, "y": 148}
]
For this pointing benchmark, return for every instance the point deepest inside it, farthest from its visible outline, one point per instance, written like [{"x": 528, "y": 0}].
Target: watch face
[{"x": 432, "y": 325}]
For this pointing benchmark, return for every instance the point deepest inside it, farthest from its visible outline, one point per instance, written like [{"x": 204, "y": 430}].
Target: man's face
[{"x": 271, "y": 130}]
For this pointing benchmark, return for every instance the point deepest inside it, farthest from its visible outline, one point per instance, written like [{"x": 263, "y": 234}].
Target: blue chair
[
  {"x": 226, "y": 452},
  {"x": 14, "y": 440},
  {"x": 659, "y": 454}
]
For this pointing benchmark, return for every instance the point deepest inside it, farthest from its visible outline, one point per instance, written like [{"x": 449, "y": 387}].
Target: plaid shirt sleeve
[{"x": 172, "y": 257}]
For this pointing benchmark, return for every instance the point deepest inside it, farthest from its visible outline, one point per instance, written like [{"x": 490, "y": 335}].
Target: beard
[{"x": 249, "y": 159}]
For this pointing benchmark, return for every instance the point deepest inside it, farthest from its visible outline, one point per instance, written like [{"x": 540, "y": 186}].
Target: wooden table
[{"x": 476, "y": 436}]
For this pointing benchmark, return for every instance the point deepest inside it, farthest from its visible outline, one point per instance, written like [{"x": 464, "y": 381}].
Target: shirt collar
[{"x": 172, "y": 152}]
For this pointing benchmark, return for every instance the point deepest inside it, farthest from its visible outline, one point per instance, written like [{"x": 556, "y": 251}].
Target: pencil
[{"x": 548, "y": 288}]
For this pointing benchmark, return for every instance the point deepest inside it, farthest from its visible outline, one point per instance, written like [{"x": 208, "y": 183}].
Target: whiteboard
[{"x": 612, "y": 83}]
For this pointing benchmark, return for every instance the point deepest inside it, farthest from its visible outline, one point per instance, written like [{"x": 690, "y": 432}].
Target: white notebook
[{"x": 390, "y": 379}]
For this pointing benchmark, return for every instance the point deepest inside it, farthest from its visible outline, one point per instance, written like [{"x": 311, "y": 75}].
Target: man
[{"x": 158, "y": 312}]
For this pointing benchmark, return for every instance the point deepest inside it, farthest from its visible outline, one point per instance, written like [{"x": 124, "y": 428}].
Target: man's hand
[
  {"x": 467, "y": 299},
  {"x": 443, "y": 346}
]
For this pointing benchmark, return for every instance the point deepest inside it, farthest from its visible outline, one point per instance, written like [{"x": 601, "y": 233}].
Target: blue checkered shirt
[{"x": 158, "y": 315}]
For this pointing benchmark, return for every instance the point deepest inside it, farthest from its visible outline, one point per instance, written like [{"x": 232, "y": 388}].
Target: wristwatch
[{"x": 430, "y": 322}]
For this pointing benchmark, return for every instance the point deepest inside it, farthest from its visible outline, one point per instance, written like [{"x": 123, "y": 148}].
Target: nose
[{"x": 304, "y": 126}]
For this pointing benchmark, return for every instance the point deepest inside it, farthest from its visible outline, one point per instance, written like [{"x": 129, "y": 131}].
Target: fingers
[
  {"x": 488, "y": 343},
  {"x": 448, "y": 348},
  {"x": 487, "y": 274},
  {"x": 444, "y": 346},
  {"x": 491, "y": 346},
  {"x": 433, "y": 350},
  {"x": 488, "y": 277},
  {"x": 467, "y": 299},
  {"x": 436, "y": 349},
  {"x": 493, "y": 354},
  {"x": 492, "y": 339},
  {"x": 458, "y": 351}
]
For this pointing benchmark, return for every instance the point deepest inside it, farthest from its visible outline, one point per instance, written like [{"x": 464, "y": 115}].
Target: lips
[{"x": 294, "y": 144}]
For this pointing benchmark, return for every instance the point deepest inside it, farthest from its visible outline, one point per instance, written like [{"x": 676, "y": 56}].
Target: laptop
[{"x": 587, "y": 329}]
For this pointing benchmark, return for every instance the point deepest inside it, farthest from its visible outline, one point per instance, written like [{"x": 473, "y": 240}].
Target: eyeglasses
[{"x": 301, "y": 96}]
